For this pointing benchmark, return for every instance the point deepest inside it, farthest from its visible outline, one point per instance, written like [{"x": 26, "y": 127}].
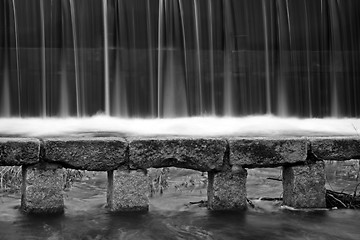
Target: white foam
[{"x": 197, "y": 126}]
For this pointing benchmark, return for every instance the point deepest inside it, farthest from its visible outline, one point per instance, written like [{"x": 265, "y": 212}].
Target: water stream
[
  {"x": 178, "y": 67},
  {"x": 177, "y": 58},
  {"x": 171, "y": 217}
]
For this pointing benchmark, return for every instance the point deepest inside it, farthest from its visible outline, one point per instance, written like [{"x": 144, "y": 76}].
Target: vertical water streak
[
  {"x": 182, "y": 19},
  {"x": 43, "y": 59},
  {"x": 353, "y": 72},
  {"x": 335, "y": 44},
  {"x": 307, "y": 29},
  {"x": 120, "y": 105},
  {"x": 283, "y": 61},
  {"x": 136, "y": 100},
  {"x": 64, "y": 91},
  {"x": 160, "y": 35},
  {"x": 211, "y": 52},
  {"x": 267, "y": 60},
  {"x": 198, "y": 56},
  {"x": 151, "y": 59},
  {"x": 76, "y": 58},
  {"x": 5, "y": 107},
  {"x": 288, "y": 23},
  {"x": 106, "y": 59},
  {"x": 18, "y": 69},
  {"x": 64, "y": 95},
  {"x": 290, "y": 60},
  {"x": 228, "y": 44}
]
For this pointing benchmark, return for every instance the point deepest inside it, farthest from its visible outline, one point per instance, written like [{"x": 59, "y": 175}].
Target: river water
[{"x": 172, "y": 217}]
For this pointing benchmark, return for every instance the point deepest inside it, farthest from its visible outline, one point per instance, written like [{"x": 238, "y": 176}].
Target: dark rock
[
  {"x": 336, "y": 148},
  {"x": 93, "y": 154},
  {"x": 227, "y": 190},
  {"x": 264, "y": 152},
  {"x": 202, "y": 154},
  {"x": 19, "y": 151},
  {"x": 304, "y": 186}
]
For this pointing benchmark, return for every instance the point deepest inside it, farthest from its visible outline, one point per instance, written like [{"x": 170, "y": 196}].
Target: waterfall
[{"x": 180, "y": 58}]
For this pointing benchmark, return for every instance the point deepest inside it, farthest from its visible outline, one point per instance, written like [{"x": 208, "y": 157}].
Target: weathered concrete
[
  {"x": 93, "y": 154},
  {"x": 42, "y": 189},
  {"x": 19, "y": 151},
  {"x": 265, "y": 152},
  {"x": 336, "y": 148},
  {"x": 304, "y": 186},
  {"x": 202, "y": 154},
  {"x": 227, "y": 190},
  {"x": 128, "y": 191}
]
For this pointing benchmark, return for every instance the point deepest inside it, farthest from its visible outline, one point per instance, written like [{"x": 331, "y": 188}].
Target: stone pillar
[
  {"x": 304, "y": 186},
  {"x": 42, "y": 189},
  {"x": 227, "y": 190},
  {"x": 128, "y": 190}
]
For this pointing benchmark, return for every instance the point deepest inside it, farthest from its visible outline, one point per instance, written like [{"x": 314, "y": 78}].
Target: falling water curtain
[{"x": 178, "y": 58}]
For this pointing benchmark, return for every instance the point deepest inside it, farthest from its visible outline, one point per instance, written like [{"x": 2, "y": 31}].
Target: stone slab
[
  {"x": 19, "y": 151},
  {"x": 128, "y": 191},
  {"x": 265, "y": 152},
  {"x": 227, "y": 190},
  {"x": 202, "y": 154},
  {"x": 304, "y": 186},
  {"x": 336, "y": 148},
  {"x": 93, "y": 154},
  {"x": 42, "y": 189}
]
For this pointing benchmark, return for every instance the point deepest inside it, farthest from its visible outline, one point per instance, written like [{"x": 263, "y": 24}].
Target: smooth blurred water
[
  {"x": 170, "y": 218},
  {"x": 252, "y": 126},
  {"x": 179, "y": 58}
]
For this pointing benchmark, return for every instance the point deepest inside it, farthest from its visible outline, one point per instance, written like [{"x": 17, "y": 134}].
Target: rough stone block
[
  {"x": 202, "y": 154},
  {"x": 128, "y": 191},
  {"x": 336, "y": 148},
  {"x": 93, "y": 154},
  {"x": 227, "y": 190},
  {"x": 304, "y": 186},
  {"x": 19, "y": 151},
  {"x": 42, "y": 189},
  {"x": 264, "y": 152}
]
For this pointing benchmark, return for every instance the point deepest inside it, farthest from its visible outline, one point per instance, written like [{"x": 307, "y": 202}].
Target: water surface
[{"x": 171, "y": 217}]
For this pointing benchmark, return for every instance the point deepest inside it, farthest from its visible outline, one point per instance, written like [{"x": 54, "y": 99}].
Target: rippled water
[{"x": 171, "y": 217}]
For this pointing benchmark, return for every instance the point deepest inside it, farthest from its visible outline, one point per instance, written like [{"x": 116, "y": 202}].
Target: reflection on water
[{"x": 86, "y": 217}]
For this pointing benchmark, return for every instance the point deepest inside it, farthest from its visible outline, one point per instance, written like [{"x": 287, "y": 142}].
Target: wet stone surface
[
  {"x": 227, "y": 190},
  {"x": 128, "y": 191},
  {"x": 336, "y": 148},
  {"x": 42, "y": 189},
  {"x": 304, "y": 186},
  {"x": 19, "y": 151},
  {"x": 263, "y": 152},
  {"x": 202, "y": 154},
  {"x": 93, "y": 154}
]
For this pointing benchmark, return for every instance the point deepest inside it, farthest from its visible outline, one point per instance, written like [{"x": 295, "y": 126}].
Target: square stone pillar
[
  {"x": 42, "y": 189},
  {"x": 128, "y": 190},
  {"x": 304, "y": 186},
  {"x": 227, "y": 190}
]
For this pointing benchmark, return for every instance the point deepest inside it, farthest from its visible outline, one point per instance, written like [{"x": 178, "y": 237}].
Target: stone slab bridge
[{"x": 126, "y": 160}]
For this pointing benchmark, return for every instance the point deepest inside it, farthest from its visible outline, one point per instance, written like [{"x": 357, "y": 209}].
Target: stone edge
[{"x": 323, "y": 148}]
